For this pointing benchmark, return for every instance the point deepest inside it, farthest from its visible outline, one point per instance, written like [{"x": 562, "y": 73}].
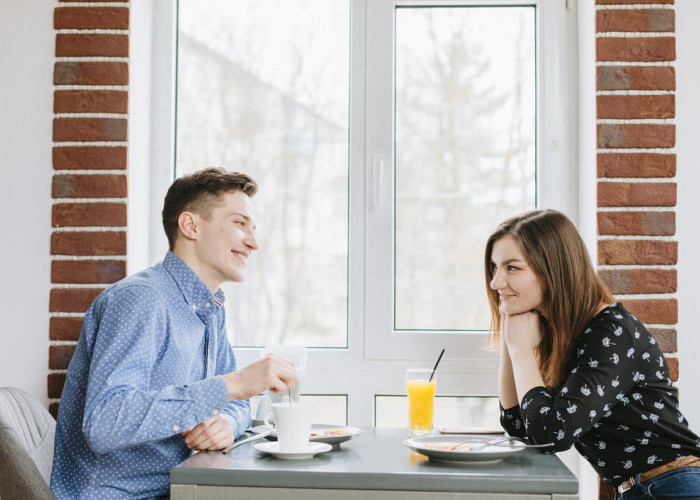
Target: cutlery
[
  {"x": 247, "y": 440},
  {"x": 499, "y": 442}
]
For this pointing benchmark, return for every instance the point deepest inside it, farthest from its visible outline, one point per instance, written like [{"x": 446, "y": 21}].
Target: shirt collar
[{"x": 193, "y": 289}]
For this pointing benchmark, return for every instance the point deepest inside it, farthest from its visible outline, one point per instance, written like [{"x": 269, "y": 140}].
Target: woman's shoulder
[{"x": 616, "y": 319}]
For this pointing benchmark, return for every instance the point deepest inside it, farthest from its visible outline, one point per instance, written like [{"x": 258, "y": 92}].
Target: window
[{"x": 389, "y": 138}]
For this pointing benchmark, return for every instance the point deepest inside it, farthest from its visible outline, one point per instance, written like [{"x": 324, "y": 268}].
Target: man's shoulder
[{"x": 150, "y": 284}]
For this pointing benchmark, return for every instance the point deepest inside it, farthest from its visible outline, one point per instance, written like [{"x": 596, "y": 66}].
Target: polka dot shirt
[
  {"x": 147, "y": 366},
  {"x": 616, "y": 406}
]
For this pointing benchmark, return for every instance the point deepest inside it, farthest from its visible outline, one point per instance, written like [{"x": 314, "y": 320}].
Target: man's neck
[{"x": 193, "y": 263}]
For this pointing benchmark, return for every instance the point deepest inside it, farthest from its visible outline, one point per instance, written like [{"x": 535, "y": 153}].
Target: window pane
[
  {"x": 263, "y": 89},
  {"x": 450, "y": 411},
  {"x": 465, "y": 154},
  {"x": 328, "y": 408}
]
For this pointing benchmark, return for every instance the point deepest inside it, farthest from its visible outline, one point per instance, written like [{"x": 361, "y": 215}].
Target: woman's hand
[{"x": 522, "y": 332}]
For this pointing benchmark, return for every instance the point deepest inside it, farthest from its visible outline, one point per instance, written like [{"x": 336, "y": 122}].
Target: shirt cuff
[{"x": 209, "y": 397}]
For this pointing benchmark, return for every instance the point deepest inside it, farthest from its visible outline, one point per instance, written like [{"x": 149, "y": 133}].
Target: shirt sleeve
[
  {"x": 237, "y": 412},
  {"x": 120, "y": 408},
  {"x": 603, "y": 373}
]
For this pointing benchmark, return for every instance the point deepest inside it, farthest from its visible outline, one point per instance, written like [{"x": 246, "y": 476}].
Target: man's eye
[{"x": 512, "y": 268}]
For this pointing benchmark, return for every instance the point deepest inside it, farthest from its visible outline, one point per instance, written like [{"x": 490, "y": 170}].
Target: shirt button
[
  {"x": 194, "y": 307},
  {"x": 208, "y": 304},
  {"x": 215, "y": 412},
  {"x": 176, "y": 428}
]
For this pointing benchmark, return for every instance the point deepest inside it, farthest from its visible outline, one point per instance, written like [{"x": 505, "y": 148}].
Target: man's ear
[{"x": 187, "y": 222}]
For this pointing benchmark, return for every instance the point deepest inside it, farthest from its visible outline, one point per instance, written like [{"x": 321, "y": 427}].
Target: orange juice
[{"x": 420, "y": 405}]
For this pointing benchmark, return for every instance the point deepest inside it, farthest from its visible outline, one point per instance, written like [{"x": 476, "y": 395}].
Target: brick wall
[
  {"x": 636, "y": 167},
  {"x": 88, "y": 239}
]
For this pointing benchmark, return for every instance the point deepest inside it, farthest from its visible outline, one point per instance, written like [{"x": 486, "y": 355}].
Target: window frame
[{"x": 375, "y": 359}]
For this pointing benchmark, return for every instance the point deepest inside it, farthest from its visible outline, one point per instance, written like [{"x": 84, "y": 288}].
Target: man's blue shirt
[{"x": 147, "y": 366}]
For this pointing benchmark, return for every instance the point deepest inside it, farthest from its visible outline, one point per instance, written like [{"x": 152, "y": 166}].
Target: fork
[{"x": 497, "y": 442}]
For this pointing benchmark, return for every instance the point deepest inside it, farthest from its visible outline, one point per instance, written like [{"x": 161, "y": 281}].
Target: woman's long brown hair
[{"x": 572, "y": 292}]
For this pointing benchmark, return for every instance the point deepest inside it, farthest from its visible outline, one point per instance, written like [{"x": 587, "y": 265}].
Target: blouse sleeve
[
  {"x": 511, "y": 421},
  {"x": 602, "y": 374}
]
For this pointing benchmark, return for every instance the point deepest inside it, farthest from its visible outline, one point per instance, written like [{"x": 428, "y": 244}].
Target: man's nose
[{"x": 251, "y": 240}]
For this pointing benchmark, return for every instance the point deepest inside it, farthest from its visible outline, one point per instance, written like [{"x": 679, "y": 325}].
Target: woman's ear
[{"x": 188, "y": 225}]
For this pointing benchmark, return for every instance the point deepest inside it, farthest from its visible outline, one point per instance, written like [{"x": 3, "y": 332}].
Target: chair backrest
[{"x": 26, "y": 446}]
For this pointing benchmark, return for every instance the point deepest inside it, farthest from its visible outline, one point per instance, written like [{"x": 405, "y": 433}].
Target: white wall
[
  {"x": 26, "y": 100},
  {"x": 688, "y": 221}
]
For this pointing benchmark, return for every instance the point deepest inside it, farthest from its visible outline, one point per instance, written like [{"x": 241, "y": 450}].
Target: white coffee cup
[{"x": 293, "y": 425}]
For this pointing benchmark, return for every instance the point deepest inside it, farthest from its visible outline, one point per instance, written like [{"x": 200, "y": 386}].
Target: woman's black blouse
[{"x": 616, "y": 405}]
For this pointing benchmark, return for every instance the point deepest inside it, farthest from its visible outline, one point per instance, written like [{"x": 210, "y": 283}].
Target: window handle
[{"x": 377, "y": 175}]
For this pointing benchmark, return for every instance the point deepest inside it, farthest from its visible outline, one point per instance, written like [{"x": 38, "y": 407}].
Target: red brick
[
  {"x": 637, "y": 223},
  {"x": 90, "y": 157},
  {"x": 654, "y": 311},
  {"x": 673, "y": 368},
  {"x": 89, "y": 214},
  {"x": 639, "y": 281},
  {"x": 636, "y": 49},
  {"x": 87, "y": 272},
  {"x": 65, "y": 328},
  {"x": 89, "y": 186},
  {"x": 642, "y": 252},
  {"x": 56, "y": 382},
  {"x": 88, "y": 243},
  {"x": 636, "y": 136},
  {"x": 72, "y": 299},
  {"x": 114, "y": 18},
  {"x": 666, "y": 337},
  {"x": 636, "y": 165},
  {"x": 89, "y": 129},
  {"x": 635, "y": 20},
  {"x": 91, "y": 73},
  {"x": 636, "y": 78},
  {"x": 636, "y": 194},
  {"x": 60, "y": 356},
  {"x": 88, "y": 44},
  {"x": 636, "y": 106},
  {"x": 91, "y": 101}
]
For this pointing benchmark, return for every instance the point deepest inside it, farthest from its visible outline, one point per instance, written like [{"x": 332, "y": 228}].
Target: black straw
[{"x": 436, "y": 365}]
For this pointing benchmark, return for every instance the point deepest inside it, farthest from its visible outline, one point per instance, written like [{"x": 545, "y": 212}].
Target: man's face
[{"x": 225, "y": 241}]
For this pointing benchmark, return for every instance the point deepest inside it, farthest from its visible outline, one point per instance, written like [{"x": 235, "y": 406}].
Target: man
[{"x": 153, "y": 375}]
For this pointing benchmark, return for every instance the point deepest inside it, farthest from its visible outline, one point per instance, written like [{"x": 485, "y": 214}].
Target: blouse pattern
[{"x": 617, "y": 404}]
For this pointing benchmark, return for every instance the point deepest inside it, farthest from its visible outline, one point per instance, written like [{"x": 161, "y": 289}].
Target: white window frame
[{"x": 376, "y": 357}]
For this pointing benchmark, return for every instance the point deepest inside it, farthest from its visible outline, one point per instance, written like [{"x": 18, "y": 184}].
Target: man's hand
[
  {"x": 270, "y": 373},
  {"x": 522, "y": 332},
  {"x": 212, "y": 434}
]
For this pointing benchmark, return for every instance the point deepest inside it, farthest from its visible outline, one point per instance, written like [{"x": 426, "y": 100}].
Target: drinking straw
[{"x": 436, "y": 365}]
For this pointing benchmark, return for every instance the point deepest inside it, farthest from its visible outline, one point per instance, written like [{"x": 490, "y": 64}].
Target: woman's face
[{"x": 518, "y": 286}]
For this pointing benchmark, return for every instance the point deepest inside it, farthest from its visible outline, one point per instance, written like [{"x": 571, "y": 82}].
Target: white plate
[
  {"x": 471, "y": 430},
  {"x": 322, "y": 433},
  {"x": 437, "y": 448},
  {"x": 273, "y": 448}
]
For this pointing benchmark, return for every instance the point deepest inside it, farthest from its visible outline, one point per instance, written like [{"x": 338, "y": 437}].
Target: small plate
[
  {"x": 273, "y": 448},
  {"x": 437, "y": 448},
  {"x": 322, "y": 433},
  {"x": 471, "y": 430}
]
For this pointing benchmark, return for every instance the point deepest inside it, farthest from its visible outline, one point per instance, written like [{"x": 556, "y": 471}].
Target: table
[{"x": 373, "y": 466}]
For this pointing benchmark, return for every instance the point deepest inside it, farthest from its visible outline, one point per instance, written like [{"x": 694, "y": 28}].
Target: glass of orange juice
[{"x": 421, "y": 393}]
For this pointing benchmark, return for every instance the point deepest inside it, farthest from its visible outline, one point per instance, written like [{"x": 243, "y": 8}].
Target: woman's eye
[{"x": 512, "y": 268}]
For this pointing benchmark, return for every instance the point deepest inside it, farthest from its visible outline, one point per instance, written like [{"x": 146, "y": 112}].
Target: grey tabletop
[{"x": 376, "y": 460}]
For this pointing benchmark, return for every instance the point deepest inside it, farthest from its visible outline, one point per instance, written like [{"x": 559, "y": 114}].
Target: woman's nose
[{"x": 496, "y": 281}]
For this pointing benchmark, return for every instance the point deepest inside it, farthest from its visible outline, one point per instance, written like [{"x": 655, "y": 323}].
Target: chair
[{"x": 26, "y": 446}]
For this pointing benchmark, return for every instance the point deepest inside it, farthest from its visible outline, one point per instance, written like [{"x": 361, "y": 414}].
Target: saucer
[{"x": 273, "y": 448}]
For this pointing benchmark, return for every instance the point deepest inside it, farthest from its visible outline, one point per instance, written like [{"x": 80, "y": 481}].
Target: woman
[{"x": 578, "y": 369}]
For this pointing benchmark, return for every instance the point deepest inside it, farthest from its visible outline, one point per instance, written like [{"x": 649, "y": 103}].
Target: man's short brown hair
[{"x": 200, "y": 193}]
